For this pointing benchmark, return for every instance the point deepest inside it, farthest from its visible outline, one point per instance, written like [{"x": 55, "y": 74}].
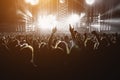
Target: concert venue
[{"x": 60, "y": 39}]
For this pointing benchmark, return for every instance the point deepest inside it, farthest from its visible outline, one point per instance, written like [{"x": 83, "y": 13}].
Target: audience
[{"x": 76, "y": 56}]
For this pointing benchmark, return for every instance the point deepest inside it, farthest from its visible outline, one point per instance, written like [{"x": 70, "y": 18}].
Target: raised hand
[
  {"x": 70, "y": 28},
  {"x": 54, "y": 30}
]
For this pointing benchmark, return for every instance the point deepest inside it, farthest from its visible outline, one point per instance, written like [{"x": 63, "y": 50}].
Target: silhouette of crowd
[{"x": 76, "y": 56}]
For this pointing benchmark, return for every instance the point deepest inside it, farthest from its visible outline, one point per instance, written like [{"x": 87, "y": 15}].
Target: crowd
[{"x": 85, "y": 56}]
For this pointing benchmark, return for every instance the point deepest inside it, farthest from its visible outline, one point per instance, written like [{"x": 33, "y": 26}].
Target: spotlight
[{"x": 90, "y": 2}]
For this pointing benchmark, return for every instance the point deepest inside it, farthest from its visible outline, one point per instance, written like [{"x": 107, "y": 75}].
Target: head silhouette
[
  {"x": 26, "y": 53},
  {"x": 63, "y": 45}
]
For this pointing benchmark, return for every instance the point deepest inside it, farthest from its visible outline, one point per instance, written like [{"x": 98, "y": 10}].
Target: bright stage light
[
  {"x": 32, "y": 2},
  {"x": 47, "y": 22},
  {"x": 62, "y": 1},
  {"x": 73, "y": 19},
  {"x": 83, "y": 24},
  {"x": 90, "y": 2}
]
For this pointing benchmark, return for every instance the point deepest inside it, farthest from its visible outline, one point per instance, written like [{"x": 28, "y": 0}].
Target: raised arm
[
  {"x": 54, "y": 30},
  {"x": 72, "y": 32}
]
